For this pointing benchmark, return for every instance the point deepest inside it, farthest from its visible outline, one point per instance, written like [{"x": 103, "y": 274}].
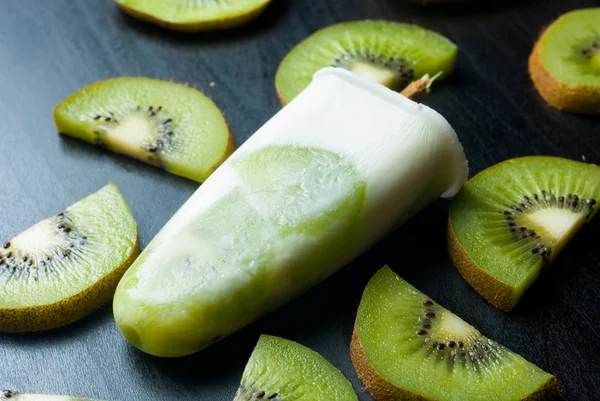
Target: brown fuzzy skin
[
  {"x": 281, "y": 99},
  {"x": 68, "y": 310},
  {"x": 383, "y": 390},
  {"x": 563, "y": 96},
  {"x": 201, "y": 26},
  {"x": 496, "y": 292},
  {"x": 379, "y": 388}
]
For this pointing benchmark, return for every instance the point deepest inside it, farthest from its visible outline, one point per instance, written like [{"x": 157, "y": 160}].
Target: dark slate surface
[{"x": 48, "y": 49}]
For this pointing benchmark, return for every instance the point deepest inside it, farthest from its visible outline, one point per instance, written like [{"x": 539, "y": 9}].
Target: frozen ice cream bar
[{"x": 317, "y": 185}]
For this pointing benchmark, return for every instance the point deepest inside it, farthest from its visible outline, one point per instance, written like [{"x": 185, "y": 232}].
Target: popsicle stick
[{"x": 417, "y": 90}]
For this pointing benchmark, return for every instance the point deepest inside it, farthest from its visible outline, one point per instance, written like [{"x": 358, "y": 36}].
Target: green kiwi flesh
[
  {"x": 391, "y": 53},
  {"x": 194, "y": 15},
  {"x": 419, "y": 350},
  {"x": 7, "y": 395},
  {"x": 67, "y": 265},
  {"x": 514, "y": 218},
  {"x": 570, "y": 48},
  {"x": 161, "y": 123},
  {"x": 281, "y": 369}
]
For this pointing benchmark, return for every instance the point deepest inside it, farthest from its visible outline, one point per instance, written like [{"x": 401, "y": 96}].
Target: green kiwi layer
[
  {"x": 514, "y": 218},
  {"x": 161, "y": 123},
  {"x": 409, "y": 346},
  {"x": 570, "y": 48},
  {"x": 194, "y": 15},
  {"x": 390, "y": 53},
  {"x": 280, "y": 370},
  {"x": 67, "y": 265}
]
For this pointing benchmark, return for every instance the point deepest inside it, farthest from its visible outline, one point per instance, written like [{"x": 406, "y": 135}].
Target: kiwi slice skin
[
  {"x": 387, "y": 52},
  {"x": 58, "y": 294},
  {"x": 492, "y": 213},
  {"x": 171, "y": 15},
  {"x": 387, "y": 294},
  {"x": 575, "y": 91},
  {"x": 281, "y": 369},
  {"x": 168, "y": 125},
  {"x": 8, "y": 395}
]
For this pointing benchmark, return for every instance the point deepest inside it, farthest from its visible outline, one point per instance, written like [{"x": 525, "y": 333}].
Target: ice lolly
[{"x": 317, "y": 185}]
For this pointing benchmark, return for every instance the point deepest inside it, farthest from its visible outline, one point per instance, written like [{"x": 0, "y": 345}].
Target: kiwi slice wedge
[
  {"x": 281, "y": 369},
  {"x": 407, "y": 347},
  {"x": 194, "y": 15},
  {"x": 514, "y": 218},
  {"x": 64, "y": 267},
  {"x": 161, "y": 123},
  {"x": 565, "y": 62},
  {"x": 7, "y": 395},
  {"x": 391, "y": 53}
]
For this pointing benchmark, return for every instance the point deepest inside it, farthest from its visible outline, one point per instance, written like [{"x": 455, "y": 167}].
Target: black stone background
[{"x": 50, "y": 48}]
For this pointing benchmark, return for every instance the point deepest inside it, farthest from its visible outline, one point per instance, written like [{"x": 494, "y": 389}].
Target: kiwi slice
[
  {"x": 7, "y": 395},
  {"x": 391, "y": 53},
  {"x": 514, "y": 218},
  {"x": 161, "y": 123},
  {"x": 64, "y": 267},
  {"x": 407, "y": 347},
  {"x": 565, "y": 62},
  {"x": 281, "y": 370},
  {"x": 194, "y": 15}
]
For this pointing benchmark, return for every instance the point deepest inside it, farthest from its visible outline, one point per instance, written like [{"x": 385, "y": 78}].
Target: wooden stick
[{"x": 417, "y": 90}]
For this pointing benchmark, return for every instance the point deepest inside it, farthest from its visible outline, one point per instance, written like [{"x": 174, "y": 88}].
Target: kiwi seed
[
  {"x": 565, "y": 62},
  {"x": 514, "y": 218},
  {"x": 389, "y": 53},
  {"x": 546, "y": 199},
  {"x": 162, "y": 136},
  {"x": 400, "y": 353},
  {"x": 64, "y": 267},
  {"x": 162, "y": 123},
  {"x": 280, "y": 370},
  {"x": 401, "y": 72}
]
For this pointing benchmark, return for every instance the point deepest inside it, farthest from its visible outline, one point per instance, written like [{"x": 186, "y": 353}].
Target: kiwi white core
[
  {"x": 452, "y": 324},
  {"x": 558, "y": 226},
  {"x": 132, "y": 135},
  {"x": 37, "y": 240},
  {"x": 383, "y": 76}
]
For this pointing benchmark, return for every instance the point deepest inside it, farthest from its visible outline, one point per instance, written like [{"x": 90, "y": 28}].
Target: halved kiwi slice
[
  {"x": 161, "y": 123},
  {"x": 281, "y": 369},
  {"x": 407, "y": 347},
  {"x": 194, "y": 15},
  {"x": 565, "y": 62},
  {"x": 7, "y": 395},
  {"x": 64, "y": 267},
  {"x": 514, "y": 218},
  {"x": 391, "y": 53}
]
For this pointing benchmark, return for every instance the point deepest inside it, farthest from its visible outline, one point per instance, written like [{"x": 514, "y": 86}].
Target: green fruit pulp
[
  {"x": 422, "y": 52},
  {"x": 193, "y": 12},
  {"x": 563, "y": 47},
  {"x": 289, "y": 223},
  {"x": 390, "y": 316},
  {"x": 285, "y": 370},
  {"x": 479, "y": 215},
  {"x": 110, "y": 233},
  {"x": 161, "y": 123}
]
